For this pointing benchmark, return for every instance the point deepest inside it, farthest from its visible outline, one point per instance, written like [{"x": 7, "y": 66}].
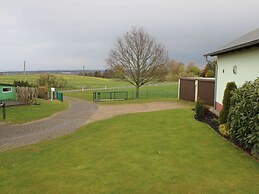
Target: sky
[{"x": 67, "y": 34}]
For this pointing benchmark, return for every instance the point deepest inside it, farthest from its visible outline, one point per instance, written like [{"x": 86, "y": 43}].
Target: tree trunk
[{"x": 137, "y": 91}]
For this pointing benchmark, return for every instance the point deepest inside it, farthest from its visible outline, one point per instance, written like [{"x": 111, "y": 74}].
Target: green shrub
[
  {"x": 244, "y": 115},
  {"x": 23, "y": 83},
  {"x": 223, "y": 115},
  {"x": 49, "y": 81},
  {"x": 199, "y": 109},
  {"x": 215, "y": 121},
  {"x": 43, "y": 92},
  {"x": 210, "y": 73},
  {"x": 255, "y": 151},
  {"x": 224, "y": 129}
]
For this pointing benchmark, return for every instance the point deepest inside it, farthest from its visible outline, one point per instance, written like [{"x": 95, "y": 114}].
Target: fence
[
  {"x": 59, "y": 96},
  {"x": 106, "y": 96}
]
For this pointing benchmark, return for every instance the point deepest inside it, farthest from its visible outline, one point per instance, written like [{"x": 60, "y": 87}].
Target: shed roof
[
  {"x": 4, "y": 84},
  {"x": 248, "y": 40},
  {"x": 209, "y": 79}
]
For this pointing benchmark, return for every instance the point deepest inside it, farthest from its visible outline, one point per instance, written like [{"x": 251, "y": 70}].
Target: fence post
[
  {"x": 94, "y": 96},
  {"x": 61, "y": 97},
  {"x": 3, "y": 110}
]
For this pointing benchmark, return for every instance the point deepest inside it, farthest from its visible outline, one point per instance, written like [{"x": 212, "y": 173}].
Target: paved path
[{"x": 17, "y": 135}]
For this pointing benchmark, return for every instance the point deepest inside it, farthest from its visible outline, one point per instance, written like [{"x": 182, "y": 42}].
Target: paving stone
[{"x": 18, "y": 135}]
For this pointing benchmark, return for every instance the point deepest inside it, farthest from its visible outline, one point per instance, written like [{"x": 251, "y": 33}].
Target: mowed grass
[
  {"x": 160, "y": 91},
  {"x": 73, "y": 81},
  {"x": 27, "y": 113},
  {"x": 156, "y": 152}
]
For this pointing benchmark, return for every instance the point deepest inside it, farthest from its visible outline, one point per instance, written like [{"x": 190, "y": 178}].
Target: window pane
[{"x": 7, "y": 89}]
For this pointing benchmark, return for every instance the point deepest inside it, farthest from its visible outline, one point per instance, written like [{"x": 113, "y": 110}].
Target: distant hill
[{"x": 66, "y": 72}]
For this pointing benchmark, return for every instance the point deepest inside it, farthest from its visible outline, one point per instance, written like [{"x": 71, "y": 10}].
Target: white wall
[{"x": 247, "y": 62}]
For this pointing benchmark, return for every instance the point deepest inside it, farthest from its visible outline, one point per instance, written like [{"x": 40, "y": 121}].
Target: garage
[{"x": 191, "y": 89}]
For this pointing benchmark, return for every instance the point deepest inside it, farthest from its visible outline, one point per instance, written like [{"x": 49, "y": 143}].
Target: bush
[
  {"x": 223, "y": 115},
  {"x": 224, "y": 129},
  {"x": 43, "y": 92},
  {"x": 210, "y": 73},
  {"x": 51, "y": 81},
  {"x": 244, "y": 115},
  {"x": 23, "y": 83},
  {"x": 255, "y": 151},
  {"x": 199, "y": 110}
]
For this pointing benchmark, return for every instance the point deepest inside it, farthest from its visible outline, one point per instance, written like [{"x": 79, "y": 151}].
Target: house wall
[
  {"x": 247, "y": 63},
  {"x": 7, "y": 95}
]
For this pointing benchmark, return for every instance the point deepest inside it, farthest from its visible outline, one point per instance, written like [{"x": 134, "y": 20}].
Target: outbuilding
[
  {"x": 7, "y": 92},
  {"x": 237, "y": 61},
  {"x": 192, "y": 88}
]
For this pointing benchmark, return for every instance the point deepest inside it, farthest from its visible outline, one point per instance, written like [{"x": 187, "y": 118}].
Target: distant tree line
[
  {"x": 175, "y": 70},
  {"x": 107, "y": 73}
]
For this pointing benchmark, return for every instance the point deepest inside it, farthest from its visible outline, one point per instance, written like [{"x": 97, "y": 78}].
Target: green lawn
[
  {"x": 156, "y": 152},
  {"x": 26, "y": 113},
  {"x": 167, "y": 90},
  {"x": 74, "y": 81}
]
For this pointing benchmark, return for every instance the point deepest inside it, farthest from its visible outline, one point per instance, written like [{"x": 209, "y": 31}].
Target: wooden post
[{"x": 3, "y": 110}]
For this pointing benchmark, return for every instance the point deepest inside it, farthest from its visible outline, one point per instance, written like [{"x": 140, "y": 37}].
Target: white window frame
[{"x": 7, "y": 91}]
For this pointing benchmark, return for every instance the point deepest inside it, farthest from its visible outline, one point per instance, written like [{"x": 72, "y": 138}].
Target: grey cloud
[{"x": 66, "y": 34}]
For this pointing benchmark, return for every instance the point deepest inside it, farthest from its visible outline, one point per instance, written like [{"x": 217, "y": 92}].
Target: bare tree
[{"x": 138, "y": 57}]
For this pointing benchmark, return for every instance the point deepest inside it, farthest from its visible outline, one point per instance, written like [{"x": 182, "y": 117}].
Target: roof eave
[{"x": 237, "y": 47}]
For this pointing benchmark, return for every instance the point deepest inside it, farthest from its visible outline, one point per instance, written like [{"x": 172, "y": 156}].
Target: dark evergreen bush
[
  {"x": 223, "y": 115},
  {"x": 199, "y": 110},
  {"x": 244, "y": 115},
  {"x": 255, "y": 151}
]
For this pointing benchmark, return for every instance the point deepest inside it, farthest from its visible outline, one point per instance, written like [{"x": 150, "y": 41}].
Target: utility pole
[
  {"x": 83, "y": 70},
  {"x": 24, "y": 69}
]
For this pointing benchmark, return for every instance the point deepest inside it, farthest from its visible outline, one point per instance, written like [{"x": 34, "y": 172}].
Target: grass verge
[
  {"x": 156, "y": 152},
  {"x": 27, "y": 113}
]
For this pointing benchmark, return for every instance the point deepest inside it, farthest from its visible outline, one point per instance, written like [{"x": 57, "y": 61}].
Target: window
[
  {"x": 6, "y": 90},
  {"x": 235, "y": 69}
]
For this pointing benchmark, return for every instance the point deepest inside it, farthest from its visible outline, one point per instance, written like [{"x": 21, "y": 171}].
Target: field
[
  {"x": 155, "y": 91},
  {"x": 156, "y": 152},
  {"x": 26, "y": 113},
  {"x": 74, "y": 81},
  {"x": 161, "y": 91}
]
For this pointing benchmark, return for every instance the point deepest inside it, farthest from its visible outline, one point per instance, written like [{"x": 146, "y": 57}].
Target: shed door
[
  {"x": 187, "y": 90},
  {"x": 206, "y": 92}
]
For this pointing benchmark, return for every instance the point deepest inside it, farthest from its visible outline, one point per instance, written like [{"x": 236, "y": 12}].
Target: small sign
[{"x": 52, "y": 89}]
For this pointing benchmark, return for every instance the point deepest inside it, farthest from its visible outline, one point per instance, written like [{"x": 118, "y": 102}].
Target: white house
[{"x": 237, "y": 61}]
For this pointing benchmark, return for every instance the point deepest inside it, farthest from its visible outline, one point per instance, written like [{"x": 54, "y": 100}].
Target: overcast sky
[{"x": 67, "y": 34}]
